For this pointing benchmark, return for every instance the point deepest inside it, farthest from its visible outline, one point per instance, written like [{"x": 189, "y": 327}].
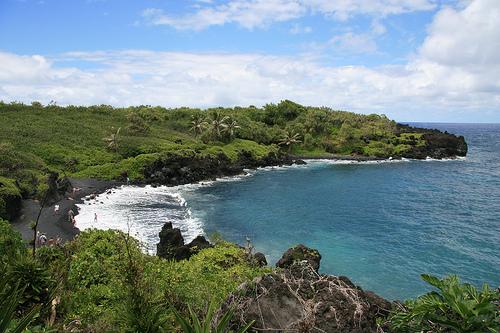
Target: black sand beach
[{"x": 58, "y": 225}]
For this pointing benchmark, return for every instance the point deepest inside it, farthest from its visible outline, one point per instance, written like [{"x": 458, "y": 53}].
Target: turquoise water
[{"x": 382, "y": 225}]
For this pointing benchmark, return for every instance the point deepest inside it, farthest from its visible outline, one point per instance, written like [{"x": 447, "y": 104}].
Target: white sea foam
[
  {"x": 457, "y": 158},
  {"x": 140, "y": 211},
  {"x": 354, "y": 162}
]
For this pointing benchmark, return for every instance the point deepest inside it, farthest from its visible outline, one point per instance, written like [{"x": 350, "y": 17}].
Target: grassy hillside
[{"x": 111, "y": 143}]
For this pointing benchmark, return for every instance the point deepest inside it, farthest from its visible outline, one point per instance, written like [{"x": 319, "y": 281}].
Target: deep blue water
[{"x": 382, "y": 225}]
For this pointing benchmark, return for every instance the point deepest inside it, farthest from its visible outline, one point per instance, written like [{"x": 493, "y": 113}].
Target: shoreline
[
  {"x": 58, "y": 225},
  {"x": 357, "y": 158}
]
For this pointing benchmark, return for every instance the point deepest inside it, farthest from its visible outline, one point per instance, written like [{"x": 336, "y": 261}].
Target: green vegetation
[
  {"x": 103, "y": 282},
  {"x": 453, "y": 307},
  {"x": 9, "y": 298},
  {"x": 195, "y": 325},
  {"x": 113, "y": 143}
]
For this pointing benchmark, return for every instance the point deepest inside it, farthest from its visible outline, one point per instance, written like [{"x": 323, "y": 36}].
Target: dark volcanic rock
[
  {"x": 171, "y": 241},
  {"x": 300, "y": 253},
  {"x": 438, "y": 144},
  {"x": 171, "y": 245},
  {"x": 12, "y": 205},
  {"x": 301, "y": 300},
  {"x": 176, "y": 170},
  {"x": 299, "y": 162},
  {"x": 198, "y": 244},
  {"x": 259, "y": 259}
]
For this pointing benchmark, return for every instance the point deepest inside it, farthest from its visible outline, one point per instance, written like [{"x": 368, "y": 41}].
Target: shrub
[
  {"x": 137, "y": 124},
  {"x": 11, "y": 243},
  {"x": 193, "y": 324},
  {"x": 453, "y": 307},
  {"x": 35, "y": 280},
  {"x": 10, "y": 198},
  {"x": 10, "y": 296},
  {"x": 211, "y": 274}
]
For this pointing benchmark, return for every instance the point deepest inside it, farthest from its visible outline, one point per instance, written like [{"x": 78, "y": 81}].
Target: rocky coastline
[
  {"x": 178, "y": 170},
  {"x": 163, "y": 172},
  {"x": 294, "y": 296}
]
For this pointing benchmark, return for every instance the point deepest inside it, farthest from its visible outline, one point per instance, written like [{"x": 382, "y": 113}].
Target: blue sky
[
  {"x": 56, "y": 26},
  {"x": 414, "y": 60}
]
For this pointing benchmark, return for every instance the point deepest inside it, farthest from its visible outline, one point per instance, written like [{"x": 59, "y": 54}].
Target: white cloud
[
  {"x": 248, "y": 14},
  {"x": 469, "y": 37},
  {"x": 252, "y": 14},
  {"x": 454, "y": 73}
]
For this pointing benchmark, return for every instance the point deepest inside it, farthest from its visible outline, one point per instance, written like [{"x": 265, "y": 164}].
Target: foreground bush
[
  {"x": 11, "y": 244},
  {"x": 113, "y": 286},
  {"x": 211, "y": 274},
  {"x": 453, "y": 307},
  {"x": 193, "y": 324}
]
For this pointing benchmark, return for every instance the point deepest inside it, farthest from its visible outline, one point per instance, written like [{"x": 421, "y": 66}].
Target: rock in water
[
  {"x": 298, "y": 299},
  {"x": 300, "y": 253},
  {"x": 171, "y": 241},
  {"x": 171, "y": 245}
]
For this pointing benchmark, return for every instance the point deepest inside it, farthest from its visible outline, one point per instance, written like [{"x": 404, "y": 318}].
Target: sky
[{"x": 412, "y": 60}]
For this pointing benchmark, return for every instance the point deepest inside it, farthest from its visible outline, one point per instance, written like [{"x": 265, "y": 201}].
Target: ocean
[{"x": 381, "y": 224}]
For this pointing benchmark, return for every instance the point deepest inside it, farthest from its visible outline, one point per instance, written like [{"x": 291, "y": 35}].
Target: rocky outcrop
[
  {"x": 57, "y": 188},
  {"x": 171, "y": 245},
  {"x": 438, "y": 144},
  {"x": 300, "y": 253},
  {"x": 10, "y": 199},
  {"x": 177, "y": 170},
  {"x": 259, "y": 259},
  {"x": 299, "y": 299}
]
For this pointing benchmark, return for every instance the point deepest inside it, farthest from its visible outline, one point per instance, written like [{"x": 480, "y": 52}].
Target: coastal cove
[{"x": 382, "y": 223}]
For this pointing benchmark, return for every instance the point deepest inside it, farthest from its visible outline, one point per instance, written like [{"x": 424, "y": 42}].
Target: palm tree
[
  {"x": 198, "y": 125},
  {"x": 290, "y": 138},
  {"x": 218, "y": 124},
  {"x": 113, "y": 139},
  {"x": 231, "y": 127}
]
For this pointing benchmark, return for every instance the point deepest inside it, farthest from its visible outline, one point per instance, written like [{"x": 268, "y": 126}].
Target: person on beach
[
  {"x": 73, "y": 192},
  {"x": 43, "y": 239},
  {"x": 71, "y": 216},
  {"x": 56, "y": 209},
  {"x": 95, "y": 217}
]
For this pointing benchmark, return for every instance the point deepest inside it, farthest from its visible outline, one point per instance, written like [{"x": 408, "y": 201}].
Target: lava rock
[
  {"x": 176, "y": 170},
  {"x": 300, "y": 253},
  {"x": 438, "y": 145},
  {"x": 259, "y": 259},
  {"x": 198, "y": 244},
  {"x": 170, "y": 241},
  {"x": 301, "y": 300},
  {"x": 299, "y": 162},
  {"x": 172, "y": 246}
]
